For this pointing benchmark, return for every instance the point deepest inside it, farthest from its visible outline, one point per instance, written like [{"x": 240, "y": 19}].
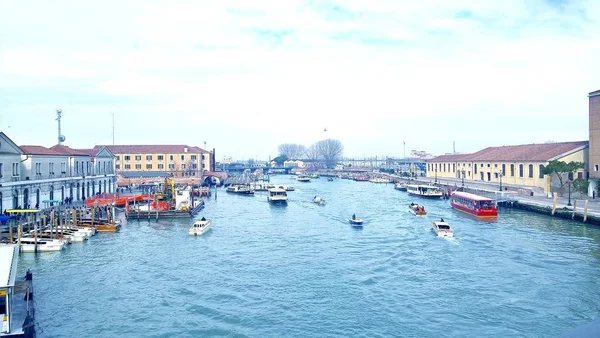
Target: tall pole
[
  {"x": 500, "y": 176},
  {"x": 569, "y": 204},
  {"x": 404, "y": 143},
  {"x": 59, "y": 115}
]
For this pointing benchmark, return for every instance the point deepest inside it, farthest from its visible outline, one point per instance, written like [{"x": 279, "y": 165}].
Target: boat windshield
[{"x": 444, "y": 227}]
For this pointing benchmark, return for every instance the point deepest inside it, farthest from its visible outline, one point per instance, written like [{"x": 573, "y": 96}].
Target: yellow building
[
  {"x": 179, "y": 160},
  {"x": 519, "y": 165}
]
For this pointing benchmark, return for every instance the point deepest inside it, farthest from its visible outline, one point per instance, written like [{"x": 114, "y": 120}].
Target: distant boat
[
  {"x": 379, "y": 180},
  {"x": 400, "y": 186},
  {"x": 430, "y": 191},
  {"x": 318, "y": 200},
  {"x": 416, "y": 209},
  {"x": 303, "y": 179},
  {"x": 442, "y": 229},
  {"x": 277, "y": 195},
  {"x": 200, "y": 227},
  {"x": 356, "y": 222},
  {"x": 475, "y": 205}
]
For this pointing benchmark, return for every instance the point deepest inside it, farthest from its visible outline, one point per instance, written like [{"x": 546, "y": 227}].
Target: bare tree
[
  {"x": 330, "y": 151},
  {"x": 311, "y": 153},
  {"x": 292, "y": 150}
]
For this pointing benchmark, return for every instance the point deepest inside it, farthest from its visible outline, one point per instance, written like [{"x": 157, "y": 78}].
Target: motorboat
[
  {"x": 303, "y": 179},
  {"x": 318, "y": 200},
  {"x": 28, "y": 244},
  {"x": 277, "y": 195},
  {"x": 240, "y": 189},
  {"x": 416, "y": 209},
  {"x": 442, "y": 228},
  {"x": 356, "y": 222},
  {"x": 200, "y": 227},
  {"x": 400, "y": 186}
]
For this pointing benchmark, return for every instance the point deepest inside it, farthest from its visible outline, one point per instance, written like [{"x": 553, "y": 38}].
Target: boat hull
[{"x": 356, "y": 222}]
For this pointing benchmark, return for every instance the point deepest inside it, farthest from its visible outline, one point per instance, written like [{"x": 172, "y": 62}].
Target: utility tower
[{"x": 61, "y": 137}]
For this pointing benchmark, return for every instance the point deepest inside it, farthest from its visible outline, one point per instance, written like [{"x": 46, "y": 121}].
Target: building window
[
  {"x": 495, "y": 165},
  {"x": 138, "y": 166},
  {"x": 193, "y": 157},
  {"x": 596, "y": 167},
  {"x": 580, "y": 175},
  {"x": 203, "y": 157},
  {"x": 118, "y": 166},
  {"x": 148, "y": 157},
  {"x": 453, "y": 167},
  {"x": 171, "y": 166},
  {"x": 51, "y": 168},
  {"x": 489, "y": 165},
  {"x": 444, "y": 167},
  {"x": 203, "y": 165},
  {"x": 183, "y": 166},
  {"x": 63, "y": 167},
  {"x": 503, "y": 169},
  {"x": 148, "y": 166},
  {"x": 475, "y": 169},
  {"x": 160, "y": 157},
  {"x": 520, "y": 170},
  {"x": 1, "y": 174},
  {"x": 542, "y": 171},
  {"x": 38, "y": 168},
  {"x": 194, "y": 166},
  {"x": 118, "y": 158},
  {"x": 138, "y": 157},
  {"x": 182, "y": 157},
  {"x": 171, "y": 157},
  {"x": 531, "y": 171},
  {"x": 161, "y": 166},
  {"x": 127, "y": 157},
  {"x": 77, "y": 167},
  {"x": 127, "y": 166},
  {"x": 512, "y": 170}
]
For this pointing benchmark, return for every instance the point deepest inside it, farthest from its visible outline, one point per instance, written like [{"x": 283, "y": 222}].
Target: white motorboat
[
  {"x": 442, "y": 229},
  {"x": 379, "y": 180},
  {"x": 303, "y": 179},
  {"x": 200, "y": 227},
  {"x": 43, "y": 244},
  {"x": 355, "y": 221},
  {"x": 277, "y": 195},
  {"x": 318, "y": 200},
  {"x": 400, "y": 186},
  {"x": 430, "y": 191}
]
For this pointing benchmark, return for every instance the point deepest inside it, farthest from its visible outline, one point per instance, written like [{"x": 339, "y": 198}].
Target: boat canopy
[{"x": 472, "y": 197}]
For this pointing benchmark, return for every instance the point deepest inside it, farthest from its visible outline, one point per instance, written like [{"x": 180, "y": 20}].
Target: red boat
[{"x": 475, "y": 205}]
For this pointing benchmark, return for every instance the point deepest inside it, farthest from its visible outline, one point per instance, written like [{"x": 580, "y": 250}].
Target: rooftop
[
  {"x": 529, "y": 152},
  {"x": 596, "y": 93},
  {"x": 39, "y": 150},
  {"x": 68, "y": 151},
  {"x": 152, "y": 149}
]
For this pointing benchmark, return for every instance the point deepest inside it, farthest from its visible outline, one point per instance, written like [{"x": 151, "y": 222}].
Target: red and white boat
[{"x": 475, "y": 205}]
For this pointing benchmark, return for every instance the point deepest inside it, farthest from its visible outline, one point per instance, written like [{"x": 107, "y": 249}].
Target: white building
[
  {"x": 30, "y": 175},
  {"x": 294, "y": 164}
]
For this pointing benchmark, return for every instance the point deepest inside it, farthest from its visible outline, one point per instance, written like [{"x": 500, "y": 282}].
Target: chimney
[{"x": 185, "y": 149}]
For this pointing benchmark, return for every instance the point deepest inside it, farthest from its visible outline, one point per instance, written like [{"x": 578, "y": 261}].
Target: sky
[{"x": 383, "y": 77}]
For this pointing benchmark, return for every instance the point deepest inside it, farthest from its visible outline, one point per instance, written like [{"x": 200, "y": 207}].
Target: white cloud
[{"x": 372, "y": 72}]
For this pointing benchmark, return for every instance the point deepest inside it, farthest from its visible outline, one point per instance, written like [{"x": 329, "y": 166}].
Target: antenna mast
[{"x": 61, "y": 137}]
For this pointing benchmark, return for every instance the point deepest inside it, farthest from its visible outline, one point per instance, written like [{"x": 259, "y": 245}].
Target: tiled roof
[
  {"x": 524, "y": 152},
  {"x": 39, "y": 150},
  {"x": 68, "y": 151},
  {"x": 90, "y": 152},
  {"x": 152, "y": 149}
]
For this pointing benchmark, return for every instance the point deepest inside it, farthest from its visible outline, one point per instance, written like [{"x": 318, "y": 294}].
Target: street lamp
[
  {"x": 569, "y": 203},
  {"x": 463, "y": 177},
  {"x": 500, "y": 176}
]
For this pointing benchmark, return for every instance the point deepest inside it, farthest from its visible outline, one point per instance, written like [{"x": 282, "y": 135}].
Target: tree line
[{"x": 329, "y": 152}]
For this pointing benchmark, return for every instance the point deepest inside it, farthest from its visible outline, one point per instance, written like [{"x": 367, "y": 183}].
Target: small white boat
[
  {"x": 43, "y": 244},
  {"x": 277, "y": 195},
  {"x": 379, "y": 180},
  {"x": 303, "y": 179},
  {"x": 356, "y": 222},
  {"x": 442, "y": 229},
  {"x": 200, "y": 227},
  {"x": 429, "y": 191},
  {"x": 401, "y": 186},
  {"x": 318, "y": 200}
]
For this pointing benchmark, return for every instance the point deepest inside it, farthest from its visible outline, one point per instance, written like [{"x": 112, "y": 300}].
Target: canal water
[{"x": 301, "y": 271}]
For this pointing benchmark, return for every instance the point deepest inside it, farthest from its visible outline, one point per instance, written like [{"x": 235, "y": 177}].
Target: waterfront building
[
  {"x": 594, "y": 125},
  {"x": 31, "y": 174},
  {"x": 176, "y": 160},
  {"x": 520, "y": 165}
]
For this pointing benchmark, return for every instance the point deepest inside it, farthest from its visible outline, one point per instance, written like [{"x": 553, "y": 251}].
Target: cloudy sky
[{"x": 245, "y": 76}]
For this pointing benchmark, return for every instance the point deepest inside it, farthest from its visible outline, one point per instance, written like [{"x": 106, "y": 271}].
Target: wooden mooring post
[
  {"x": 585, "y": 210},
  {"x": 574, "y": 208},
  {"x": 554, "y": 203}
]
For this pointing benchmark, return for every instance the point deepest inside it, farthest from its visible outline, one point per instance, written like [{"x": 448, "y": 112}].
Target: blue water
[{"x": 300, "y": 270}]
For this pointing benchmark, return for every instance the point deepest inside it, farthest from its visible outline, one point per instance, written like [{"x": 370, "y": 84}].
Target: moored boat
[
  {"x": 303, "y": 179},
  {"x": 416, "y": 209},
  {"x": 475, "y": 205},
  {"x": 400, "y": 186},
  {"x": 28, "y": 244},
  {"x": 379, "y": 180},
  {"x": 429, "y": 191},
  {"x": 442, "y": 228},
  {"x": 200, "y": 227}
]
